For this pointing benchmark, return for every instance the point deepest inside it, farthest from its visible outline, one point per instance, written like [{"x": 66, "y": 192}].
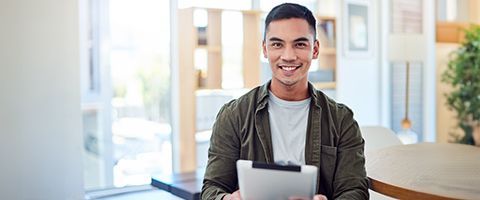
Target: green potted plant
[{"x": 463, "y": 74}]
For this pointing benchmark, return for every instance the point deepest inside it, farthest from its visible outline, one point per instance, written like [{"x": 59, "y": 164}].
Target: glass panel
[
  {"x": 136, "y": 49},
  {"x": 140, "y": 73}
]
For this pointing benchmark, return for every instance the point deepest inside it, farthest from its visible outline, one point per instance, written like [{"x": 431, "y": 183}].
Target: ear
[
  {"x": 316, "y": 49},
  {"x": 264, "y": 48}
]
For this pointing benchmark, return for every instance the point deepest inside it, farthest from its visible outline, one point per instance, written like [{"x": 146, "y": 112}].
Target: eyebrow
[
  {"x": 275, "y": 39},
  {"x": 301, "y": 39}
]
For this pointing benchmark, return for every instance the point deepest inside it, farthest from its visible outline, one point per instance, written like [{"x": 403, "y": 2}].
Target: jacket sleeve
[
  {"x": 221, "y": 174},
  {"x": 350, "y": 180}
]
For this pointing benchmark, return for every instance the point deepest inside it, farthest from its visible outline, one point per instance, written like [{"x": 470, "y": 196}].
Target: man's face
[{"x": 290, "y": 47}]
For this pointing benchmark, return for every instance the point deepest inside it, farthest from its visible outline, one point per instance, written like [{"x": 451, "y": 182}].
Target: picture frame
[{"x": 357, "y": 28}]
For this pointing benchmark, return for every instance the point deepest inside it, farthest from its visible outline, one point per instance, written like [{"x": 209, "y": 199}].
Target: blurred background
[{"x": 133, "y": 87}]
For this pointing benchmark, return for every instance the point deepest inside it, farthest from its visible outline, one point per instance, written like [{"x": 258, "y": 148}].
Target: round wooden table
[{"x": 425, "y": 171}]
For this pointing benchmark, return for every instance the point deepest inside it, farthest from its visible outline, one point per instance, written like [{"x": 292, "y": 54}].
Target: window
[{"x": 127, "y": 137}]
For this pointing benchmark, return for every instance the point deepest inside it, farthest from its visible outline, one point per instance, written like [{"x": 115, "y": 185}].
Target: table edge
[{"x": 402, "y": 193}]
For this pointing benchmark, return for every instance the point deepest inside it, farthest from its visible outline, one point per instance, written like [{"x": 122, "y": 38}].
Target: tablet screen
[{"x": 269, "y": 181}]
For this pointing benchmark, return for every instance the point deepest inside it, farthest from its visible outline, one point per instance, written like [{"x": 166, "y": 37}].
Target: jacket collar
[{"x": 263, "y": 94}]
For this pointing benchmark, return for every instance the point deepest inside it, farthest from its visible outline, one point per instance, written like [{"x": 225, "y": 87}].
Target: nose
[{"x": 288, "y": 54}]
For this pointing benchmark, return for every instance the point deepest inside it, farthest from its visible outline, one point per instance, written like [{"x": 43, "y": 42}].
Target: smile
[{"x": 290, "y": 67}]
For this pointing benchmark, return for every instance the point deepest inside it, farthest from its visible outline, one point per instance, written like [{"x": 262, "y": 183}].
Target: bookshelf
[
  {"x": 209, "y": 39},
  {"x": 450, "y": 32},
  {"x": 324, "y": 77}
]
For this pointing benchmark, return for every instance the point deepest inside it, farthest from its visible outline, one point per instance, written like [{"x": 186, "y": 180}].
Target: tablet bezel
[{"x": 270, "y": 181}]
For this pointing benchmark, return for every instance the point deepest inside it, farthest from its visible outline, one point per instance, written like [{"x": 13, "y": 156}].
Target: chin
[{"x": 288, "y": 82}]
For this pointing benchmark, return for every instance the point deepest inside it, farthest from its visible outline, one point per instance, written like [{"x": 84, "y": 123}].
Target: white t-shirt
[{"x": 288, "y": 126}]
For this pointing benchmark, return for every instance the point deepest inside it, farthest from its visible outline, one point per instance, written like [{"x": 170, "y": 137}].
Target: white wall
[
  {"x": 446, "y": 120},
  {"x": 358, "y": 78},
  {"x": 429, "y": 85},
  {"x": 40, "y": 124}
]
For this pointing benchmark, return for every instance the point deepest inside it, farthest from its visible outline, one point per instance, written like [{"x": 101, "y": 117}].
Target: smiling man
[{"x": 288, "y": 121}]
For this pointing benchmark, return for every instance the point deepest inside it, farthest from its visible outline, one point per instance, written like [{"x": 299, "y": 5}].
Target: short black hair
[{"x": 291, "y": 10}]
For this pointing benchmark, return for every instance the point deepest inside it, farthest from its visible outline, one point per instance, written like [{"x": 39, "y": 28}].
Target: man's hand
[
  {"x": 233, "y": 196},
  {"x": 236, "y": 196},
  {"x": 319, "y": 197},
  {"x": 316, "y": 197}
]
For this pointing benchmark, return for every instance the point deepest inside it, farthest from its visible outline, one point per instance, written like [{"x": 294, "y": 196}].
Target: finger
[
  {"x": 236, "y": 195},
  {"x": 297, "y": 198},
  {"x": 319, "y": 197}
]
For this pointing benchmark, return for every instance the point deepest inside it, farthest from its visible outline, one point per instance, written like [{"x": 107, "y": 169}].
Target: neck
[{"x": 296, "y": 92}]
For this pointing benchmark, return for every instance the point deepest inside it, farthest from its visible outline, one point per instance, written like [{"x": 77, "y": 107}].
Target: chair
[{"x": 377, "y": 137}]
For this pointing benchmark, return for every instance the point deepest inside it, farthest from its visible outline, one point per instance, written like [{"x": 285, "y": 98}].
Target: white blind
[{"x": 406, "y": 16}]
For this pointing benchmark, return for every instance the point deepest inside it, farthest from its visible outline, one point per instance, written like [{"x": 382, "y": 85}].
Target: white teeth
[{"x": 289, "y": 68}]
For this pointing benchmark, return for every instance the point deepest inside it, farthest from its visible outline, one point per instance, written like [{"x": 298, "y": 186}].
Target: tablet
[{"x": 270, "y": 181}]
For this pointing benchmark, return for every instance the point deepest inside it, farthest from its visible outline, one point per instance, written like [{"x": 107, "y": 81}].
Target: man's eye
[
  {"x": 276, "y": 45},
  {"x": 301, "y": 45}
]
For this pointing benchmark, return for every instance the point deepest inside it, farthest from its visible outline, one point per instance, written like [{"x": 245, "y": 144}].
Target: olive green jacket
[{"x": 333, "y": 144}]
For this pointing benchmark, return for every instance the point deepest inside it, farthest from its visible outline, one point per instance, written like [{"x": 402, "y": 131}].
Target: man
[{"x": 287, "y": 120}]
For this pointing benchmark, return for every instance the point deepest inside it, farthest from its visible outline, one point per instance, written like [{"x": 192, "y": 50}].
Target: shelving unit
[
  {"x": 327, "y": 57},
  {"x": 210, "y": 39},
  {"x": 325, "y": 85},
  {"x": 450, "y": 32}
]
